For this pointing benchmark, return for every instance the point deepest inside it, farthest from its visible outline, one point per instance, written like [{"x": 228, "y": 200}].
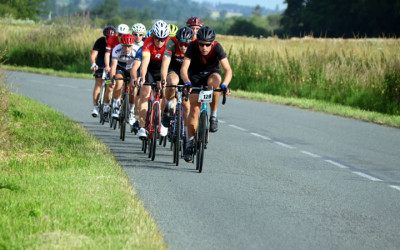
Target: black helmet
[
  {"x": 109, "y": 31},
  {"x": 184, "y": 35},
  {"x": 206, "y": 34}
]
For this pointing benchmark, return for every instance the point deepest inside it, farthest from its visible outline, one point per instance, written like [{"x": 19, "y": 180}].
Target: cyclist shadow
[{"x": 128, "y": 153}]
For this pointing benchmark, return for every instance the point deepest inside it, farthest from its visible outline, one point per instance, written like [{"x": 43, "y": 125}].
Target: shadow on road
[{"x": 129, "y": 154}]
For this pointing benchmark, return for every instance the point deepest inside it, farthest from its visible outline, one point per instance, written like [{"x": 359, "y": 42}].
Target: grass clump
[{"x": 61, "y": 188}]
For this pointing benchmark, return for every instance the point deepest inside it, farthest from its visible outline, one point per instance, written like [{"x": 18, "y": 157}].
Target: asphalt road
[{"x": 274, "y": 177}]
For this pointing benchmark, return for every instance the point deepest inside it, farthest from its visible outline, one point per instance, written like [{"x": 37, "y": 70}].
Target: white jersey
[{"x": 125, "y": 61}]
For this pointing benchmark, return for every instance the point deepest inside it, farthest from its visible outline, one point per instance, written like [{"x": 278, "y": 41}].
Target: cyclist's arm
[
  {"x": 145, "y": 65},
  {"x": 164, "y": 67},
  {"x": 114, "y": 63},
  {"x": 107, "y": 61},
  {"x": 93, "y": 58},
  {"x": 228, "y": 71},
  {"x": 135, "y": 67},
  {"x": 184, "y": 69}
]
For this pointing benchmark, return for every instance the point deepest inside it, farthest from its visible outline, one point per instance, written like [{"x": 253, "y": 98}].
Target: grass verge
[{"x": 61, "y": 188}]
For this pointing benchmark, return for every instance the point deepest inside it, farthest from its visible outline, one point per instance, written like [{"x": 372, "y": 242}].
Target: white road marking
[
  {"x": 367, "y": 176},
  {"x": 310, "y": 154},
  {"x": 261, "y": 136},
  {"x": 283, "y": 144},
  {"x": 221, "y": 121},
  {"x": 66, "y": 86},
  {"x": 336, "y": 164},
  {"x": 239, "y": 128},
  {"x": 395, "y": 187}
]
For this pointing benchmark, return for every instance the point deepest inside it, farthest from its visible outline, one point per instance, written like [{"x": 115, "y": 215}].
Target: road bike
[
  {"x": 153, "y": 120},
  {"x": 103, "y": 89},
  {"x": 202, "y": 132},
  {"x": 123, "y": 117},
  {"x": 176, "y": 133}
]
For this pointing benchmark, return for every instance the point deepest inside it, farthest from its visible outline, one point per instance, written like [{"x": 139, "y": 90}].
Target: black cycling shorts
[
  {"x": 171, "y": 70},
  {"x": 152, "y": 77},
  {"x": 124, "y": 72},
  {"x": 200, "y": 79}
]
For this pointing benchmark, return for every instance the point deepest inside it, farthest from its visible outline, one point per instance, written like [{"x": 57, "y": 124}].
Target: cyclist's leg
[
  {"x": 172, "y": 79},
  {"x": 214, "y": 81},
  {"x": 117, "y": 94},
  {"x": 96, "y": 91}
]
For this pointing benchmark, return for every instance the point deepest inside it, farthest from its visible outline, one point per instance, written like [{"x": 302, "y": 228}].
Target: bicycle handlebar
[
  {"x": 182, "y": 88},
  {"x": 224, "y": 91}
]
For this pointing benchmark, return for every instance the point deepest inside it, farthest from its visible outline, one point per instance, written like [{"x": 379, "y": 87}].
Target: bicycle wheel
[
  {"x": 201, "y": 141},
  {"x": 101, "y": 103},
  {"x": 109, "y": 115},
  {"x": 122, "y": 117},
  {"x": 156, "y": 122},
  {"x": 177, "y": 135}
]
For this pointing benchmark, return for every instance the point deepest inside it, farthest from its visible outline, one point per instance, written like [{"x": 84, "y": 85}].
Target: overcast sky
[{"x": 270, "y": 4}]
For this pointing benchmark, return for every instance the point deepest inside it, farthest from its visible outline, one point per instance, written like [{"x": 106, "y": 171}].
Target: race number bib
[{"x": 205, "y": 96}]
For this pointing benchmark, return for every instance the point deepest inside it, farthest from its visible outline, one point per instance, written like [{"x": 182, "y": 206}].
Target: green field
[
  {"x": 60, "y": 188},
  {"x": 360, "y": 73}
]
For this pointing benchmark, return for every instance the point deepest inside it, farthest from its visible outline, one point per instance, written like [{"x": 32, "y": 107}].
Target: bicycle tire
[
  {"x": 201, "y": 141},
  {"x": 101, "y": 103},
  {"x": 178, "y": 134},
  {"x": 156, "y": 122},
  {"x": 122, "y": 119},
  {"x": 109, "y": 115}
]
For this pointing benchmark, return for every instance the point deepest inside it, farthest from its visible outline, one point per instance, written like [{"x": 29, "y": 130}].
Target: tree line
[{"x": 318, "y": 18}]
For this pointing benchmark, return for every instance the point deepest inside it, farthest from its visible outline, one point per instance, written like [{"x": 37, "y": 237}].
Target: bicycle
[
  {"x": 123, "y": 118},
  {"x": 176, "y": 133},
  {"x": 153, "y": 120},
  {"x": 100, "y": 102},
  {"x": 201, "y": 135}
]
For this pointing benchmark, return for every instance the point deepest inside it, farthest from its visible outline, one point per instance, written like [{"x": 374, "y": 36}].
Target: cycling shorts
[
  {"x": 152, "y": 77},
  {"x": 124, "y": 72},
  {"x": 178, "y": 73},
  {"x": 200, "y": 79}
]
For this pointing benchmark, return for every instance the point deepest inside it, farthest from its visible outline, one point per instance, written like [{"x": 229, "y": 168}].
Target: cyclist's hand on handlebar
[
  {"x": 133, "y": 83},
  {"x": 188, "y": 88},
  {"x": 107, "y": 69},
  {"x": 159, "y": 85},
  {"x": 226, "y": 89},
  {"x": 94, "y": 67}
]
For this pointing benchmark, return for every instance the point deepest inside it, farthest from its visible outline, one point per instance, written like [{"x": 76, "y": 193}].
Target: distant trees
[
  {"x": 22, "y": 9},
  {"x": 342, "y": 18}
]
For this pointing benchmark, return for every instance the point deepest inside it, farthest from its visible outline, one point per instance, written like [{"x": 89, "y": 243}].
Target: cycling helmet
[
  {"x": 109, "y": 31},
  {"x": 160, "y": 29},
  {"x": 138, "y": 28},
  {"x": 194, "y": 21},
  {"x": 172, "y": 29},
  {"x": 206, "y": 34},
  {"x": 123, "y": 29},
  {"x": 149, "y": 33},
  {"x": 184, "y": 35},
  {"x": 127, "y": 39}
]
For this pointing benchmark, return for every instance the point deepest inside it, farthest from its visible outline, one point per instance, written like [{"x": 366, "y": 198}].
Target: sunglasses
[
  {"x": 160, "y": 39},
  {"x": 135, "y": 34},
  {"x": 205, "y": 44},
  {"x": 126, "y": 45},
  {"x": 183, "y": 44}
]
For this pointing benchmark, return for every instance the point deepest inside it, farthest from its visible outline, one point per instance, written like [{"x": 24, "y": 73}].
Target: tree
[
  {"x": 243, "y": 27},
  {"x": 292, "y": 17},
  {"x": 23, "y": 9},
  {"x": 257, "y": 10}
]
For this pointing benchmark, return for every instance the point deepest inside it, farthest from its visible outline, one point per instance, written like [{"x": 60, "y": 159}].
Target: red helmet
[
  {"x": 127, "y": 39},
  {"x": 194, "y": 21}
]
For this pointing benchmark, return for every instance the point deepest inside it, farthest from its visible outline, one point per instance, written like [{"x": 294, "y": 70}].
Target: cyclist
[
  {"x": 97, "y": 61},
  {"x": 172, "y": 29},
  {"x": 170, "y": 71},
  {"x": 195, "y": 23},
  {"x": 152, "y": 53},
  {"x": 138, "y": 32},
  {"x": 201, "y": 63},
  {"x": 122, "y": 29},
  {"x": 122, "y": 61}
]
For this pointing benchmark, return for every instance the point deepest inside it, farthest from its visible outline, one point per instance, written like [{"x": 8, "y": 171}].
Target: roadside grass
[{"x": 61, "y": 188}]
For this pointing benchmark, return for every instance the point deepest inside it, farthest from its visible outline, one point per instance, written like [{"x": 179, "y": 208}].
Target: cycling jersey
[
  {"x": 138, "y": 56},
  {"x": 100, "y": 47},
  {"x": 125, "y": 61},
  {"x": 208, "y": 63},
  {"x": 172, "y": 50},
  {"x": 112, "y": 41},
  {"x": 155, "y": 54}
]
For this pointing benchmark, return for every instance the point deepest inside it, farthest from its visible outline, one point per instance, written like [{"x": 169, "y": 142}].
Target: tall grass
[{"x": 361, "y": 73}]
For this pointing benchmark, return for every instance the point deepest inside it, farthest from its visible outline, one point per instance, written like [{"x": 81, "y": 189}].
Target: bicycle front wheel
[
  {"x": 177, "y": 135},
  {"x": 155, "y": 135},
  {"x": 201, "y": 141}
]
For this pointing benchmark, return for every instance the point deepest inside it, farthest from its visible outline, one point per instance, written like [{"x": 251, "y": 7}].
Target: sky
[{"x": 270, "y": 4}]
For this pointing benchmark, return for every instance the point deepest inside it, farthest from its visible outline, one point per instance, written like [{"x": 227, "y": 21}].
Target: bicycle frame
[{"x": 153, "y": 99}]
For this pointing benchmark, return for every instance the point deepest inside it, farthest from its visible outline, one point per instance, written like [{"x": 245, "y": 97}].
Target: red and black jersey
[
  {"x": 172, "y": 50},
  {"x": 200, "y": 63},
  {"x": 112, "y": 41},
  {"x": 155, "y": 53}
]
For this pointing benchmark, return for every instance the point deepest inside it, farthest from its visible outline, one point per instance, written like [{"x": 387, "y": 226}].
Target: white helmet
[
  {"x": 138, "y": 28},
  {"x": 123, "y": 29},
  {"x": 160, "y": 29}
]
